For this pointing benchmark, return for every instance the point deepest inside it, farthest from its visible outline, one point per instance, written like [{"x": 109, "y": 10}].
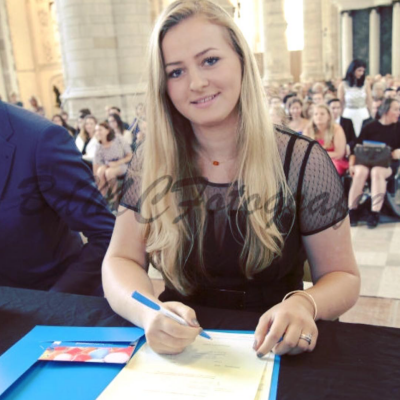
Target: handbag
[{"x": 373, "y": 156}]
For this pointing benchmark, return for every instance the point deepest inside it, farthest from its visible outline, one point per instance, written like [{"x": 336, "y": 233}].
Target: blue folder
[{"x": 23, "y": 377}]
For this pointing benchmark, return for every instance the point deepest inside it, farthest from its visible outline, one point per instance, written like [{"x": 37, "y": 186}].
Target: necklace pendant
[{"x": 216, "y": 163}]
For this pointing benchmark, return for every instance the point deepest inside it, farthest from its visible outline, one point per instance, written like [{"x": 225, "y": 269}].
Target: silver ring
[{"x": 307, "y": 338}]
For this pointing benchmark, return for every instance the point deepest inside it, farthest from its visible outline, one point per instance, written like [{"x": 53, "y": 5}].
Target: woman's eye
[
  {"x": 176, "y": 73},
  {"x": 211, "y": 61}
]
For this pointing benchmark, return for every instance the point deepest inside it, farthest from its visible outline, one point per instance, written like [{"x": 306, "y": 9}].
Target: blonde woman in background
[
  {"x": 297, "y": 121},
  {"x": 86, "y": 140},
  {"x": 242, "y": 246},
  {"x": 329, "y": 135},
  {"x": 278, "y": 115}
]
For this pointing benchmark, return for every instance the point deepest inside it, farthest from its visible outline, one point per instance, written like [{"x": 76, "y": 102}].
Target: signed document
[{"x": 224, "y": 368}]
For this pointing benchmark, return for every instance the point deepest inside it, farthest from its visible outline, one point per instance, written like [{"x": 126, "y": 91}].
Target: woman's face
[
  {"x": 393, "y": 114},
  {"x": 275, "y": 116},
  {"x": 310, "y": 111},
  {"x": 359, "y": 72},
  {"x": 90, "y": 125},
  {"x": 57, "y": 120},
  {"x": 295, "y": 110},
  {"x": 101, "y": 133},
  {"x": 320, "y": 116},
  {"x": 113, "y": 123},
  {"x": 203, "y": 72},
  {"x": 379, "y": 92}
]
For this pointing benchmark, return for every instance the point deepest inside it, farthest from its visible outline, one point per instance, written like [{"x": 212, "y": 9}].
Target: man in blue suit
[{"x": 48, "y": 196}]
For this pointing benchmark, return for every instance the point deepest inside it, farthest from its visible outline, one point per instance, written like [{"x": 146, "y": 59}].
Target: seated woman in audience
[
  {"x": 275, "y": 101},
  {"x": 329, "y": 135},
  {"x": 86, "y": 140},
  {"x": 278, "y": 115},
  {"x": 385, "y": 129},
  {"x": 35, "y": 107},
  {"x": 308, "y": 109},
  {"x": 222, "y": 204},
  {"x": 117, "y": 125},
  {"x": 59, "y": 120},
  {"x": 297, "y": 121},
  {"x": 298, "y": 88},
  {"x": 111, "y": 158}
]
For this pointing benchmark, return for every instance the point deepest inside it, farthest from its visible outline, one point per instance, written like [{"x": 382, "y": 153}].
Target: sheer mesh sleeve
[
  {"x": 322, "y": 203},
  {"x": 131, "y": 190}
]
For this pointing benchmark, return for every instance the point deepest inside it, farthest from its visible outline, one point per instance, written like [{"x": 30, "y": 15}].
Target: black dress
[{"x": 319, "y": 203}]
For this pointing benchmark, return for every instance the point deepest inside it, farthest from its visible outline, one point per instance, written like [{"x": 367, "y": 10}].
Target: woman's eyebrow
[{"x": 196, "y": 56}]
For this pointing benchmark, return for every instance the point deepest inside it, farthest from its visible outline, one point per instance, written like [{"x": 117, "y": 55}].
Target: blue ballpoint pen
[{"x": 149, "y": 303}]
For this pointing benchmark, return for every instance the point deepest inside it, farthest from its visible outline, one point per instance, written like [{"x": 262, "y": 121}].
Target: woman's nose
[{"x": 197, "y": 80}]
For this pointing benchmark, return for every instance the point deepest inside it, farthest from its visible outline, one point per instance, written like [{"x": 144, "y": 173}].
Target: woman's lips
[{"x": 205, "y": 101}]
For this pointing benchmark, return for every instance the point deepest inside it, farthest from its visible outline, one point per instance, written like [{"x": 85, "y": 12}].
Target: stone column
[
  {"x": 330, "y": 48},
  {"x": 104, "y": 48},
  {"x": 374, "y": 41},
  {"x": 347, "y": 40},
  {"x": 312, "y": 60},
  {"x": 396, "y": 40},
  {"x": 8, "y": 76},
  {"x": 276, "y": 54}
]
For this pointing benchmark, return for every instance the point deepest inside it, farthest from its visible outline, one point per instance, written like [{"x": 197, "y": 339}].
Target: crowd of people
[
  {"x": 106, "y": 146},
  {"x": 242, "y": 203},
  {"x": 340, "y": 115}
]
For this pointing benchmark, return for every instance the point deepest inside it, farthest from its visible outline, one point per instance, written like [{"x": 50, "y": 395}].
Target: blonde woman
[
  {"x": 278, "y": 115},
  {"x": 297, "y": 121},
  {"x": 329, "y": 135},
  {"x": 86, "y": 141},
  {"x": 211, "y": 199}
]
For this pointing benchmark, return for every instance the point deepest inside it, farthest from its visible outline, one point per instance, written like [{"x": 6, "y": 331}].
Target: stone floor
[{"x": 378, "y": 255}]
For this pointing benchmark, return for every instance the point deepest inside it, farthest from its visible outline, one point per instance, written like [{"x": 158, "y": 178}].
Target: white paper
[
  {"x": 265, "y": 383},
  {"x": 225, "y": 368}
]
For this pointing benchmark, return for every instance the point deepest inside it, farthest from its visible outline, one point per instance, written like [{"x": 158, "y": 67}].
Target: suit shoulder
[{"x": 22, "y": 119}]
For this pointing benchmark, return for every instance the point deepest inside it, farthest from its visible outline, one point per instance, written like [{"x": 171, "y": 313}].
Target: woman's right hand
[
  {"x": 351, "y": 170},
  {"x": 166, "y": 336}
]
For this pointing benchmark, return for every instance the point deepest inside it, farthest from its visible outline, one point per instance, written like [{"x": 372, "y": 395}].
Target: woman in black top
[
  {"x": 385, "y": 129},
  {"x": 224, "y": 206}
]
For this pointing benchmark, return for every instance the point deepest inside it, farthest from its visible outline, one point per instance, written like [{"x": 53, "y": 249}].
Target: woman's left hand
[
  {"x": 281, "y": 327},
  {"x": 113, "y": 164}
]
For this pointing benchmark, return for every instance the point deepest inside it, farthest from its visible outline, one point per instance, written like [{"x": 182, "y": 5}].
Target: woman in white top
[
  {"x": 86, "y": 141},
  {"x": 355, "y": 95}
]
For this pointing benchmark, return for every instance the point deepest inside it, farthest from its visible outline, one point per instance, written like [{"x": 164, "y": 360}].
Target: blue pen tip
[{"x": 205, "y": 335}]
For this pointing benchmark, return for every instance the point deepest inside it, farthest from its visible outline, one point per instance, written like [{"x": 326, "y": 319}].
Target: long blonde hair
[
  {"x": 312, "y": 129},
  {"x": 170, "y": 151},
  {"x": 83, "y": 133}
]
